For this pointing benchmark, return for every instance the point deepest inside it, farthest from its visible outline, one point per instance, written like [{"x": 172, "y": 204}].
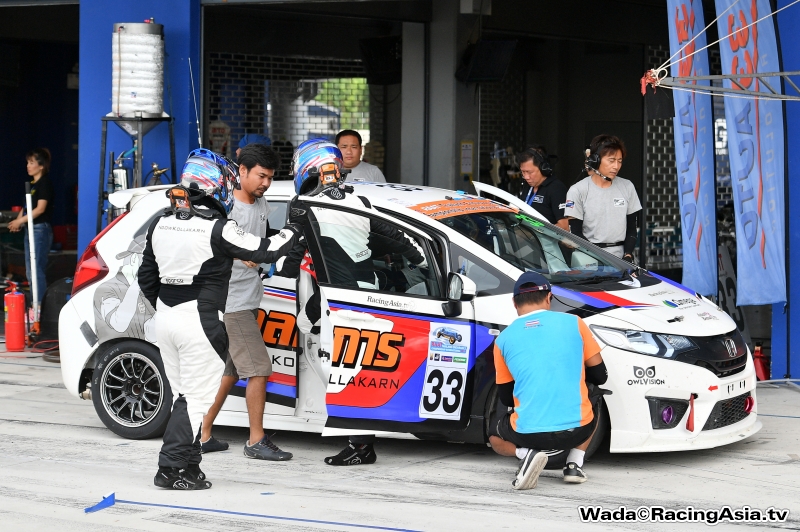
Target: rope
[
  {"x": 666, "y": 63},
  {"x": 737, "y": 31}
]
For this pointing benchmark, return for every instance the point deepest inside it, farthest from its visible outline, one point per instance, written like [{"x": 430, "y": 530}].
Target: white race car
[{"x": 414, "y": 358}]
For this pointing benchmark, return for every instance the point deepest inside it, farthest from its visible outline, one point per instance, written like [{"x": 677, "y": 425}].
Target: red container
[{"x": 14, "y": 303}]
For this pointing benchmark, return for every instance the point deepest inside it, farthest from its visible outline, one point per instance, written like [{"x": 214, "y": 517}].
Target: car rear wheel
[{"x": 130, "y": 390}]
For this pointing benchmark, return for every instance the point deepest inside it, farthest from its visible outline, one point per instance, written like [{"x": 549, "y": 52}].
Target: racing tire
[
  {"x": 452, "y": 340},
  {"x": 130, "y": 390},
  {"x": 459, "y": 337},
  {"x": 438, "y": 335}
]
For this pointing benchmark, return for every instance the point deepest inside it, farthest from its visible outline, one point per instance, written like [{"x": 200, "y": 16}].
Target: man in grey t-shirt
[
  {"x": 603, "y": 208},
  {"x": 247, "y": 355},
  {"x": 349, "y": 143}
]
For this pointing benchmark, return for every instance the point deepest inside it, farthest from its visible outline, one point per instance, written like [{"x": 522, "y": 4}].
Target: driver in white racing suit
[
  {"x": 184, "y": 274},
  {"x": 347, "y": 241}
]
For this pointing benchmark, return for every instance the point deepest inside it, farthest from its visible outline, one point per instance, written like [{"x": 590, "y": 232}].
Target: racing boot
[
  {"x": 354, "y": 454},
  {"x": 172, "y": 478}
]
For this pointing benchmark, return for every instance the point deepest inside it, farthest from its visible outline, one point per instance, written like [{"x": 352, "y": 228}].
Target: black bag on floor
[{"x": 55, "y": 297}]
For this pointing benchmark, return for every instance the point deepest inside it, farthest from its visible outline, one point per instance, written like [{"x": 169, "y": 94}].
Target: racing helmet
[
  {"x": 210, "y": 175},
  {"x": 318, "y": 157}
]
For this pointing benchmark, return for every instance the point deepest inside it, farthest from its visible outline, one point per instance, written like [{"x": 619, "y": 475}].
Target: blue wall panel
[
  {"x": 181, "y": 20},
  {"x": 785, "y": 334}
]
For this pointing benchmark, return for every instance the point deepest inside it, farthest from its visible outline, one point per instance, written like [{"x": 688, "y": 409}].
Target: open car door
[{"x": 395, "y": 362}]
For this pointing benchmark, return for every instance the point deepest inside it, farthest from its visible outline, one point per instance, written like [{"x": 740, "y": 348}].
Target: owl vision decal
[{"x": 645, "y": 376}]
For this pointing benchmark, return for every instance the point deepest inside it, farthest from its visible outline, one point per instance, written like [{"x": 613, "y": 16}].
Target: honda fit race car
[{"x": 413, "y": 358}]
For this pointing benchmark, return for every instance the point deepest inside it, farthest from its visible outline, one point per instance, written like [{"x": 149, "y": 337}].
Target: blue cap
[
  {"x": 254, "y": 138},
  {"x": 534, "y": 282}
]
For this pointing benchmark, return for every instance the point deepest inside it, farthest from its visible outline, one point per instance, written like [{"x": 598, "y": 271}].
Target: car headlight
[{"x": 645, "y": 343}]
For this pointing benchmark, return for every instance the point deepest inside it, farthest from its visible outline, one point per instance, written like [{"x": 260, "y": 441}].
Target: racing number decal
[
  {"x": 445, "y": 372},
  {"x": 442, "y": 395}
]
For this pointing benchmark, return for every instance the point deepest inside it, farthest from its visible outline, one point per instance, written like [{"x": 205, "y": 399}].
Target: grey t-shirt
[
  {"x": 245, "y": 289},
  {"x": 604, "y": 211},
  {"x": 366, "y": 172}
]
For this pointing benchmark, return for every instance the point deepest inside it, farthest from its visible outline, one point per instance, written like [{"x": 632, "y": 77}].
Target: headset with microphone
[{"x": 592, "y": 162}]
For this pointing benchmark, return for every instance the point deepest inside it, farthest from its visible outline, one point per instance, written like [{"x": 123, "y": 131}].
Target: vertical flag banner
[
  {"x": 756, "y": 150},
  {"x": 694, "y": 148}
]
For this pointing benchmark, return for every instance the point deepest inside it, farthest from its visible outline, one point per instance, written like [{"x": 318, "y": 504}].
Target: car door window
[
  {"x": 373, "y": 254},
  {"x": 488, "y": 280},
  {"x": 277, "y": 214}
]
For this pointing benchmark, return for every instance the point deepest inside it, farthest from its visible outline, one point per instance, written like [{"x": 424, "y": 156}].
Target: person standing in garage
[
  {"x": 604, "y": 208},
  {"x": 42, "y": 205},
  {"x": 316, "y": 166},
  {"x": 545, "y": 192},
  {"x": 349, "y": 143},
  {"x": 186, "y": 266},
  {"x": 247, "y": 355},
  {"x": 546, "y": 386}
]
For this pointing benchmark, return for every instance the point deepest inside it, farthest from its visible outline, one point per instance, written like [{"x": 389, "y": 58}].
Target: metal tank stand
[{"x": 140, "y": 126}]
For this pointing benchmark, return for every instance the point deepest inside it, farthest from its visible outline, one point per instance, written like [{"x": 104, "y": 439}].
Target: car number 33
[{"x": 443, "y": 392}]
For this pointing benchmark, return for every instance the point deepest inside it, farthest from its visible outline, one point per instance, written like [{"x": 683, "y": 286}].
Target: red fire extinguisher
[{"x": 14, "y": 303}]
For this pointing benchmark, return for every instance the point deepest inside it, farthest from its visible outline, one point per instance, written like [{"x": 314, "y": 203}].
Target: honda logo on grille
[{"x": 730, "y": 345}]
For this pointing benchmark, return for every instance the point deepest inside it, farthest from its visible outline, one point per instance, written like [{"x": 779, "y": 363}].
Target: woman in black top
[{"x": 42, "y": 205}]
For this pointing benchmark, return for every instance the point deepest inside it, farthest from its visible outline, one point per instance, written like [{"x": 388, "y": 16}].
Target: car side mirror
[{"x": 459, "y": 288}]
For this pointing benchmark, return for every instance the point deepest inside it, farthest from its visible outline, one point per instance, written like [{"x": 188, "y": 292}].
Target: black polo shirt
[
  {"x": 548, "y": 200},
  {"x": 42, "y": 190}
]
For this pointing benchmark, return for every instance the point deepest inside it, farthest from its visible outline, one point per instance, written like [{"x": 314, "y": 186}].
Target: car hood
[{"x": 649, "y": 303}]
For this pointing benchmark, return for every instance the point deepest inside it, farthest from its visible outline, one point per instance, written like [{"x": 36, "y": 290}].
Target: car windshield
[{"x": 531, "y": 245}]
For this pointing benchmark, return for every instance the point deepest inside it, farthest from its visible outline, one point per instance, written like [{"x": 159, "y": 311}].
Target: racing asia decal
[
  {"x": 445, "y": 372},
  {"x": 448, "y": 208}
]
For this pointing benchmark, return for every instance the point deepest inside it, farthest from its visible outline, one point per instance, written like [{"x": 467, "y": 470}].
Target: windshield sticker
[
  {"x": 533, "y": 222},
  {"x": 448, "y": 208}
]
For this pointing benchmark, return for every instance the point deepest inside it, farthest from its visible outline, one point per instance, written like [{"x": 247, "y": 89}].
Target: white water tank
[{"x": 137, "y": 84}]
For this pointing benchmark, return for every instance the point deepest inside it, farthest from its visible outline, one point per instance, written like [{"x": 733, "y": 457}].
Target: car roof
[{"x": 383, "y": 194}]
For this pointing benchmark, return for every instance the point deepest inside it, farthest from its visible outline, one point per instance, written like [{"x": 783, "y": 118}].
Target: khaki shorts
[{"x": 247, "y": 354}]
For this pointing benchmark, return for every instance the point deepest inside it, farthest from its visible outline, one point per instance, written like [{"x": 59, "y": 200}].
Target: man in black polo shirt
[{"x": 546, "y": 194}]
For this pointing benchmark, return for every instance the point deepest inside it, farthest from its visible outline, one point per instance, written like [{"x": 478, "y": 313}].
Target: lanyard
[{"x": 528, "y": 198}]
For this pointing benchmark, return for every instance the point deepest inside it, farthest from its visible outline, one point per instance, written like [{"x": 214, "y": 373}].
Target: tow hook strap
[{"x": 690, "y": 420}]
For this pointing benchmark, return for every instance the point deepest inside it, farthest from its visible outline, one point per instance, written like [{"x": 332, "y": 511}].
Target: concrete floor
[{"x": 57, "y": 458}]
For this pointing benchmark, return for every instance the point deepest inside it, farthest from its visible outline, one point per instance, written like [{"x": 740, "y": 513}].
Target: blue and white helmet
[
  {"x": 213, "y": 174},
  {"x": 321, "y": 154}
]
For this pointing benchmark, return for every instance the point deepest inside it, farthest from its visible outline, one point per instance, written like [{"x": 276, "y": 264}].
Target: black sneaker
[
  {"x": 529, "y": 470},
  {"x": 213, "y": 445},
  {"x": 172, "y": 478},
  {"x": 266, "y": 450},
  {"x": 354, "y": 455},
  {"x": 574, "y": 474}
]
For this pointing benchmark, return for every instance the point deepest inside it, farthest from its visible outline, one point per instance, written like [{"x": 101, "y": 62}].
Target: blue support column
[
  {"x": 181, "y": 20},
  {"x": 785, "y": 335}
]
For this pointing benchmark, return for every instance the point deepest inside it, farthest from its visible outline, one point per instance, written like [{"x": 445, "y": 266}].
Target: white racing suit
[
  {"x": 348, "y": 243},
  {"x": 184, "y": 274}
]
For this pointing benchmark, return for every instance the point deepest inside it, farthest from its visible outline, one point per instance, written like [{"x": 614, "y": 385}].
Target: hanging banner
[
  {"x": 694, "y": 147},
  {"x": 756, "y": 149}
]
